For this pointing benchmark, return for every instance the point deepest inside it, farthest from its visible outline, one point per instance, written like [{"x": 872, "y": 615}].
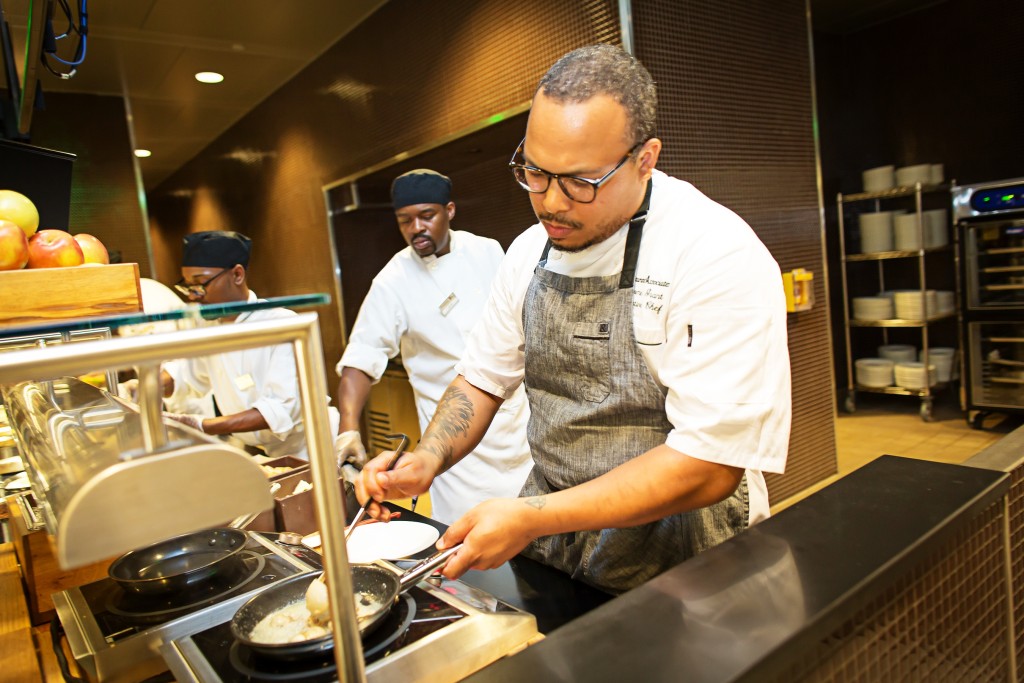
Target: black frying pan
[
  {"x": 376, "y": 589},
  {"x": 180, "y": 562}
]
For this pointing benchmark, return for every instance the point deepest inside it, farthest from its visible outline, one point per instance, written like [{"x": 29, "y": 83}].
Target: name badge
[
  {"x": 448, "y": 304},
  {"x": 244, "y": 382}
]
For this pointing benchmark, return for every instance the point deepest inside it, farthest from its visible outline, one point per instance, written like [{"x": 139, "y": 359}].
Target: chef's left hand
[{"x": 492, "y": 533}]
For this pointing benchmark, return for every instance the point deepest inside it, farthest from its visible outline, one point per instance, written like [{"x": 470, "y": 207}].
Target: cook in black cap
[
  {"x": 423, "y": 207},
  {"x": 213, "y": 267}
]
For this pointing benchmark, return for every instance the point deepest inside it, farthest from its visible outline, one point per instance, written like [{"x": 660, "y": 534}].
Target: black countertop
[
  {"x": 548, "y": 594},
  {"x": 746, "y": 608}
]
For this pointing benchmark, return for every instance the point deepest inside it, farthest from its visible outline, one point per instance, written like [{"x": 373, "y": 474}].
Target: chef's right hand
[
  {"x": 193, "y": 421},
  {"x": 348, "y": 447},
  {"x": 411, "y": 476}
]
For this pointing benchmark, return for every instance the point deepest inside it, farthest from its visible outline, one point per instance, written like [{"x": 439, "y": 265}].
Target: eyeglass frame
[
  {"x": 596, "y": 184},
  {"x": 197, "y": 290}
]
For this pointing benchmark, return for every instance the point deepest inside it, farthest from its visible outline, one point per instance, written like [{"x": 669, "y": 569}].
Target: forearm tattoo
[
  {"x": 452, "y": 420},
  {"x": 536, "y": 502}
]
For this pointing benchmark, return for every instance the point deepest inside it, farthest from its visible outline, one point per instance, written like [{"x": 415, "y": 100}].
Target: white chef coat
[
  {"x": 709, "y": 315},
  {"x": 424, "y": 308},
  {"x": 263, "y": 378}
]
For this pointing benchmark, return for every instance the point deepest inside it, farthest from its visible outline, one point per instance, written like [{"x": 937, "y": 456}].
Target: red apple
[
  {"x": 92, "y": 249},
  {"x": 13, "y": 246},
  {"x": 53, "y": 249},
  {"x": 19, "y": 209}
]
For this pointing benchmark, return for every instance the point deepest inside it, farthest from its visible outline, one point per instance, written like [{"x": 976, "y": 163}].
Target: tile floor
[{"x": 892, "y": 425}]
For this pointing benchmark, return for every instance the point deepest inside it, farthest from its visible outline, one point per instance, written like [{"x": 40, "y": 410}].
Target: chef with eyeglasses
[{"x": 256, "y": 390}]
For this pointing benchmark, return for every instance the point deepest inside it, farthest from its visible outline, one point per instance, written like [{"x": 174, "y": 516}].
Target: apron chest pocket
[{"x": 591, "y": 356}]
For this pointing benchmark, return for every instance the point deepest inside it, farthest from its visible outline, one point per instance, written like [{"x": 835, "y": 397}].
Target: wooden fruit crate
[{"x": 42, "y": 295}]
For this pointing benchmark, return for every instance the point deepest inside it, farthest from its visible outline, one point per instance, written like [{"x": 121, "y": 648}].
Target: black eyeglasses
[
  {"x": 537, "y": 180},
  {"x": 196, "y": 291}
]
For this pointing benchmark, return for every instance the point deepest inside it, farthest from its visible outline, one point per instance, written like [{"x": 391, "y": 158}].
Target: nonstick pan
[
  {"x": 376, "y": 590},
  {"x": 180, "y": 562}
]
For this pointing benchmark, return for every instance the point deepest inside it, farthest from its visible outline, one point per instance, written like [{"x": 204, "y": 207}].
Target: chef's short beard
[{"x": 603, "y": 232}]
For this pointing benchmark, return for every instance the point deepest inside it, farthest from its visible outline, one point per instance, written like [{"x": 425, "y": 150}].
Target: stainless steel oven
[{"x": 990, "y": 255}]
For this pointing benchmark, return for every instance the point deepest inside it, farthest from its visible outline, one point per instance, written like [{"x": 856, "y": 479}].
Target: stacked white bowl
[
  {"x": 875, "y": 373},
  {"x": 876, "y": 232},
  {"x": 942, "y": 358},
  {"x": 935, "y": 232},
  {"x": 945, "y": 301},
  {"x": 936, "y": 173},
  {"x": 911, "y": 375},
  {"x": 910, "y": 305},
  {"x": 907, "y": 176},
  {"x": 872, "y": 308},
  {"x": 879, "y": 179},
  {"x": 897, "y": 352},
  {"x": 906, "y": 235}
]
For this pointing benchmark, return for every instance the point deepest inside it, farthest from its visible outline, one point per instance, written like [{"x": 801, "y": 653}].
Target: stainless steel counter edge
[{"x": 749, "y": 607}]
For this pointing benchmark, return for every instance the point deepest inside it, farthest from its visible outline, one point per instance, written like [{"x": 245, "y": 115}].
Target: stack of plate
[
  {"x": 876, "y": 232},
  {"x": 879, "y": 179},
  {"x": 945, "y": 301},
  {"x": 906, "y": 176},
  {"x": 942, "y": 358},
  {"x": 906, "y": 235},
  {"x": 874, "y": 372},
  {"x": 911, "y": 375},
  {"x": 910, "y": 305},
  {"x": 935, "y": 232},
  {"x": 872, "y": 308},
  {"x": 897, "y": 352}
]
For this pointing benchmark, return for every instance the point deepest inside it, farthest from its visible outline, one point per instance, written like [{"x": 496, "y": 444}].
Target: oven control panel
[{"x": 988, "y": 199}]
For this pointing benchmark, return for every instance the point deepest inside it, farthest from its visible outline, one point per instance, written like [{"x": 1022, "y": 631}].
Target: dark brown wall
[
  {"x": 942, "y": 85},
  {"x": 105, "y": 199},
  {"x": 736, "y": 117}
]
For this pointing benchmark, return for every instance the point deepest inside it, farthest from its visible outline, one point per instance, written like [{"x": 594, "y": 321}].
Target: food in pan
[
  {"x": 274, "y": 471},
  {"x": 294, "y": 624}
]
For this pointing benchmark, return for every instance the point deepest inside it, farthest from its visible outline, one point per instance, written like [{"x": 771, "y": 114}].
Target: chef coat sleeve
[
  {"x": 278, "y": 400},
  {"x": 377, "y": 333},
  {"x": 494, "y": 358},
  {"x": 190, "y": 377}
]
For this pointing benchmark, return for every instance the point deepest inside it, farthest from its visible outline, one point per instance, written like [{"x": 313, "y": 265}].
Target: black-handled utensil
[{"x": 391, "y": 465}]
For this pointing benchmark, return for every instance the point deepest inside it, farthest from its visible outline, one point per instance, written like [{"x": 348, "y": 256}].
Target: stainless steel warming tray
[{"x": 101, "y": 491}]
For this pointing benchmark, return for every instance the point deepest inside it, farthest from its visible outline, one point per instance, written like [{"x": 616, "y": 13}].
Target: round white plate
[
  {"x": 380, "y": 541},
  {"x": 11, "y": 465}
]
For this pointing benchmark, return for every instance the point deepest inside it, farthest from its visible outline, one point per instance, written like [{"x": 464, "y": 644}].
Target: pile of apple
[{"x": 23, "y": 245}]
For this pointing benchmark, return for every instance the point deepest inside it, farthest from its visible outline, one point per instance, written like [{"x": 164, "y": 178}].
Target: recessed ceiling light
[
  {"x": 143, "y": 153},
  {"x": 209, "y": 77}
]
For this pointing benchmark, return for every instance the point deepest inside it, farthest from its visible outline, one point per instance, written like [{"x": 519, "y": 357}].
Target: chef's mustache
[
  {"x": 422, "y": 235},
  {"x": 559, "y": 219}
]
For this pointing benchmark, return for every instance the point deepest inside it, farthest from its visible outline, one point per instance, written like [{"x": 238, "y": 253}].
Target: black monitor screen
[{"x": 42, "y": 175}]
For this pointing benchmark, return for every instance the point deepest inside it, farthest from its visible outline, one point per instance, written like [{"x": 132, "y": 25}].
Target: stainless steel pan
[
  {"x": 376, "y": 590},
  {"x": 180, "y": 562}
]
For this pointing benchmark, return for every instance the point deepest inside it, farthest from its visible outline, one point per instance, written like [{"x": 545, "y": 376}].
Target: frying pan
[
  {"x": 376, "y": 589},
  {"x": 180, "y": 562}
]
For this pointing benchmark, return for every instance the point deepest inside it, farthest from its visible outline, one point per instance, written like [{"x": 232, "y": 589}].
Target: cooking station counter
[{"x": 778, "y": 596}]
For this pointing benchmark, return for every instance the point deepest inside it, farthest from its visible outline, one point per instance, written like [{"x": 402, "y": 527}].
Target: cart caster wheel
[
  {"x": 926, "y": 411},
  {"x": 850, "y": 404},
  {"x": 977, "y": 420}
]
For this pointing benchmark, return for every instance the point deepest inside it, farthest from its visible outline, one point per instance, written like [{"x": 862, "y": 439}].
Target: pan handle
[{"x": 419, "y": 571}]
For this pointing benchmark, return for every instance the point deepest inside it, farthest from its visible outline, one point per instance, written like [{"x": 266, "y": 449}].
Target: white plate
[
  {"x": 11, "y": 465},
  {"x": 380, "y": 541}
]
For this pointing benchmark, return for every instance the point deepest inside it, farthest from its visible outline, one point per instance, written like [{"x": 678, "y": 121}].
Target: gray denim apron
[{"x": 593, "y": 406}]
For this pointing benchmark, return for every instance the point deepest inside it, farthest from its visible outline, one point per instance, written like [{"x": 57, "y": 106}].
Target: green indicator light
[{"x": 1007, "y": 197}]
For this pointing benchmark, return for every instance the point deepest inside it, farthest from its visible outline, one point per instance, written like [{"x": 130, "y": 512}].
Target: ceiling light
[
  {"x": 209, "y": 77},
  {"x": 143, "y": 153}
]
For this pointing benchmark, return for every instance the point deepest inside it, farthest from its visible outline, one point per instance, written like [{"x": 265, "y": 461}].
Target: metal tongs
[{"x": 391, "y": 465}]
